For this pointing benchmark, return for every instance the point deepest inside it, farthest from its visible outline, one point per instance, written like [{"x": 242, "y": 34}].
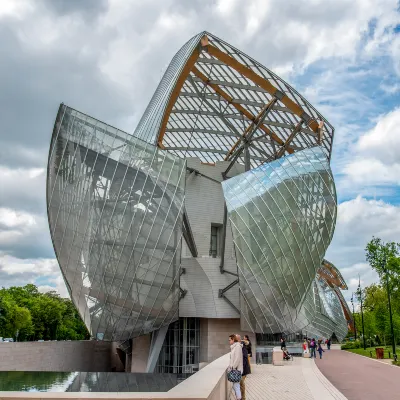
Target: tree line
[
  {"x": 26, "y": 315},
  {"x": 384, "y": 258}
]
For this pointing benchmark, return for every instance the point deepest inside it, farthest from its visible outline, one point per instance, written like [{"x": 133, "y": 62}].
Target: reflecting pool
[{"x": 88, "y": 381}]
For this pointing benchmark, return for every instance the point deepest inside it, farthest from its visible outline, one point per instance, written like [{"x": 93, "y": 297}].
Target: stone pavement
[
  {"x": 359, "y": 377},
  {"x": 297, "y": 380}
]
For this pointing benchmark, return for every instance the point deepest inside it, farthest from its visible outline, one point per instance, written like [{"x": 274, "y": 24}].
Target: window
[{"x": 215, "y": 240}]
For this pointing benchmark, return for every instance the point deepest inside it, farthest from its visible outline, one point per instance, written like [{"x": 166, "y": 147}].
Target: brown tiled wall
[
  {"x": 89, "y": 356},
  {"x": 140, "y": 353},
  {"x": 214, "y": 335}
]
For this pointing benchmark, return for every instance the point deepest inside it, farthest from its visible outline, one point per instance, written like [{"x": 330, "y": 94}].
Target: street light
[
  {"x": 362, "y": 313},
  {"x": 390, "y": 307},
  {"x": 354, "y": 319}
]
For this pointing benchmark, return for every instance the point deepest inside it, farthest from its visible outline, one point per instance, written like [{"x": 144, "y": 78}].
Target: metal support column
[{"x": 156, "y": 345}]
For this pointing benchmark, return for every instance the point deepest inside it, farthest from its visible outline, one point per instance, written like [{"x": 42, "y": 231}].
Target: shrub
[{"x": 351, "y": 345}]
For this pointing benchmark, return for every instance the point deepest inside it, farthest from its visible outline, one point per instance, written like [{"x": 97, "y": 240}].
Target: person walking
[
  {"x": 305, "y": 347},
  {"x": 248, "y": 347},
  {"x": 320, "y": 350},
  {"x": 328, "y": 343},
  {"x": 236, "y": 362},
  {"x": 246, "y": 367},
  {"x": 313, "y": 346}
]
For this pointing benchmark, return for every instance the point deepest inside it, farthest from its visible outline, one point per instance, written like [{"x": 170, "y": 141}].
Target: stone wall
[{"x": 85, "y": 355}]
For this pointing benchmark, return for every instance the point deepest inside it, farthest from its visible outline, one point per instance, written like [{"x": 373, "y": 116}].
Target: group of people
[
  {"x": 313, "y": 346},
  {"x": 240, "y": 363}
]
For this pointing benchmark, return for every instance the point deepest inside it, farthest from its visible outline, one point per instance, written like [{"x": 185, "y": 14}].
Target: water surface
[{"x": 88, "y": 381}]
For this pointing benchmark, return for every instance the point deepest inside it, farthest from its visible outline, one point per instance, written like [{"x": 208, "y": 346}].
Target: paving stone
[{"x": 297, "y": 380}]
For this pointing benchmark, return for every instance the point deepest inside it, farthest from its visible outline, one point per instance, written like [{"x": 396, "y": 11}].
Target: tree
[
  {"x": 385, "y": 260},
  {"x": 35, "y": 315}
]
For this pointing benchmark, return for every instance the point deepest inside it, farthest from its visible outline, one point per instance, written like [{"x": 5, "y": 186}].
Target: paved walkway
[
  {"x": 359, "y": 377},
  {"x": 297, "y": 380}
]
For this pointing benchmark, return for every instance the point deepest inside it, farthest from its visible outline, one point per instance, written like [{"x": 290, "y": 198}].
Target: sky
[{"x": 105, "y": 58}]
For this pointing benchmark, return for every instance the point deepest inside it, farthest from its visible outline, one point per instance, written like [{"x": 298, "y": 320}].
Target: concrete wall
[
  {"x": 214, "y": 334},
  {"x": 87, "y": 356},
  {"x": 204, "y": 202}
]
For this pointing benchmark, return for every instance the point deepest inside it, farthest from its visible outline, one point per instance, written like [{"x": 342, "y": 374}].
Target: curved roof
[
  {"x": 216, "y": 103},
  {"x": 332, "y": 275}
]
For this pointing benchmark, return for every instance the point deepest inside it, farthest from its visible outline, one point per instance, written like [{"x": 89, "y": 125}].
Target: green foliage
[
  {"x": 27, "y": 314},
  {"x": 384, "y": 258},
  {"x": 351, "y": 345}
]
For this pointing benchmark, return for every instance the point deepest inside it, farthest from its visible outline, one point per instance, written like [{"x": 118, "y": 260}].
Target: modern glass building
[{"x": 213, "y": 216}]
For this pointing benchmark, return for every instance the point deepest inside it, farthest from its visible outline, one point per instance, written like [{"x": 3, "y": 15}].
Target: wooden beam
[
  {"x": 262, "y": 82},
  {"x": 284, "y": 147},
  {"x": 238, "y": 107},
  {"x": 175, "y": 93},
  {"x": 320, "y": 132},
  {"x": 254, "y": 122}
]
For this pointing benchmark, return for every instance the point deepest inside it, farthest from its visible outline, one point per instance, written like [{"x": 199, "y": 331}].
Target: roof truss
[{"x": 226, "y": 106}]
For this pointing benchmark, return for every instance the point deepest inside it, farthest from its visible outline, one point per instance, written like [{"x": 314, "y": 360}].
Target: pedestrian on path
[
  {"x": 246, "y": 367},
  {"x": 248, "y": 347},
  {"x": 328, "y": 343},
  {"x": 236, "y": 362},
  {"x": 313, "y": 346},
  {"x": 305, "y": 347},
  {"x": 320, "y": 350}
]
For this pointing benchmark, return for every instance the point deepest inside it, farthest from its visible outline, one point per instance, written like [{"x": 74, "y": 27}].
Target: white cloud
[
  {"x": 383, "y": 141},
  {"x": 23, "y": 188},
  {"x": 58, "y": 285},
  {"x": 358, "y": 221},
  {"x": 11, "y": 218},
  {"x": 374, "y": 160},
  {"x": 13, "y": 265},
  {"x": 390, "y": 89},
  {"x": 43, "y": 272},
  {"x": 14, "y": 8}
]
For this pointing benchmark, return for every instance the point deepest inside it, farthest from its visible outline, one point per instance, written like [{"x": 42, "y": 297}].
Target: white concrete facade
[{"x": 204, "y": 202}]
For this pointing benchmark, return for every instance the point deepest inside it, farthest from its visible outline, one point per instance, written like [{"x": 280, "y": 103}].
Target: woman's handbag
[{"x": 234, "y": 375}]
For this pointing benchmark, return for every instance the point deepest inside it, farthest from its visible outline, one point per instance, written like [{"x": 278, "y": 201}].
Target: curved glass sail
[
  {"x": 326, "y": 311},
  {"x": 282, "y": 215},
  {"x": 115, "y": 208}
]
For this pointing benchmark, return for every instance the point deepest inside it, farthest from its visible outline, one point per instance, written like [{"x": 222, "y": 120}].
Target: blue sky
[{"x": 105, "y": 58}]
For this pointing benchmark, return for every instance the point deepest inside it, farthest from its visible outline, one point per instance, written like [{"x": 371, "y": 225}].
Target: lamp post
[
  {"x": 362, "y": 313},
  {"x": 354, "y": 319},
  {"x": 390, "y": 308}
]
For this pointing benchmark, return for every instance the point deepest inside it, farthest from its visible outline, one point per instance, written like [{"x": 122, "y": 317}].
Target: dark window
[{"x": 214, "y": 241}]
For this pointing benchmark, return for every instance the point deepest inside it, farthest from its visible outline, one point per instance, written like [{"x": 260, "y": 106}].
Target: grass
[{"x": 367, "y": 351}]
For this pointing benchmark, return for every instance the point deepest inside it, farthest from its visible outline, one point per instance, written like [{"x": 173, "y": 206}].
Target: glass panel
[
  {"x": 282, "y": 216},
  {"x": 115, "y": 213}
]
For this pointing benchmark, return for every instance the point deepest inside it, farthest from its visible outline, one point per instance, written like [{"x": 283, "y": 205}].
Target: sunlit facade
[{"x": 221, "y": 204}]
